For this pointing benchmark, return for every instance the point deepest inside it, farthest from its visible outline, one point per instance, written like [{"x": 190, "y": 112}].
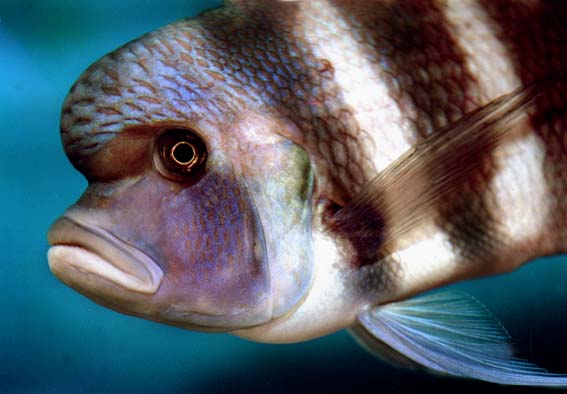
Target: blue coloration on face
[
  {"x": 53, "y": 340},
  {"x": 207, "y": 239}
]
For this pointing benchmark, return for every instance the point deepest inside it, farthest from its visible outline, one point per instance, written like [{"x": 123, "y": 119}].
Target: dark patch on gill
[
  {"x": 363, "y": 225},
  {"x": 535, "y": 36}
]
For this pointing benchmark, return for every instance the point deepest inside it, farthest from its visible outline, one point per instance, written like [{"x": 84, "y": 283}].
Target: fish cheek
[{"x": 208, "y": 239}]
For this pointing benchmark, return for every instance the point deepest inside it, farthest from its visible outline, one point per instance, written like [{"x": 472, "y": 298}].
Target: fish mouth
[{"x": 81, "y": 250}]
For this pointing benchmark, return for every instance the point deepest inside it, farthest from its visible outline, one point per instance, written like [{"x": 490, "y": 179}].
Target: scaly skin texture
[{"x": 354, "y": 84}]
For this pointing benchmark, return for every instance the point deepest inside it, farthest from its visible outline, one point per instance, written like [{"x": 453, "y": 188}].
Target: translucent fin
[
  {"x": 451, "y": 333},
  {"x": 409, "y": 191}
]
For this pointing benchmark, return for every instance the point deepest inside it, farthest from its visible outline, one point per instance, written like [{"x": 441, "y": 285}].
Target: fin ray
[{"x": 435, "y": 332}]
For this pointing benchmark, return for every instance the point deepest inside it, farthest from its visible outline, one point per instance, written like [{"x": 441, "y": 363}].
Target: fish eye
[{"x": 180, "y": 154}]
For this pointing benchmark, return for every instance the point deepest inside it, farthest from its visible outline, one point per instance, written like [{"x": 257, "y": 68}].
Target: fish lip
[{"x": 83, "y": 249}]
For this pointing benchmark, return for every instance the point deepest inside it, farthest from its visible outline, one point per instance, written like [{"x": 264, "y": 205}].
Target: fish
[{"x": 284, "y": 170}]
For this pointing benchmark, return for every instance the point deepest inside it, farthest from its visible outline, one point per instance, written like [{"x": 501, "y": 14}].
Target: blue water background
[{"x": 53, "y": 340}]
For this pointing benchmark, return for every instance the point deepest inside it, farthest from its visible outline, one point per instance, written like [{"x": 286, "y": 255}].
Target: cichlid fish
[{"x": 283, "y": 170}]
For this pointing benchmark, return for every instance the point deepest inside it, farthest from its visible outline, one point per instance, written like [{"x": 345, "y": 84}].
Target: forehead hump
[{"x": 159, "y": 78}]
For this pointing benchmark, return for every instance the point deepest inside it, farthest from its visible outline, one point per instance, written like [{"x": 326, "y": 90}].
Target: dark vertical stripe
[
  {"x": 535, "y": 34},
  {"x": 428, "y": 72},
  {"x": 427, "y": 68},
  {"x": 264, "y": 53},
  {"x": 268, "y": 63},
  {"x": 267, "y": 57}
]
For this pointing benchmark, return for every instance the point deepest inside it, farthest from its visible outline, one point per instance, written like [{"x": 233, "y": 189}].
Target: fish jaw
[
  {"x": 133, "y": 263},
  {"x": 103, "y": 267},
  {"x": 120, "y": 276}
]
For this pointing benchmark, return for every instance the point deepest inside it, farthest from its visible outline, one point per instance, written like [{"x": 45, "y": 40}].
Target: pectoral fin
[
  {"x": 409, "y": 191},
  {"x": 449, "y": 333}
]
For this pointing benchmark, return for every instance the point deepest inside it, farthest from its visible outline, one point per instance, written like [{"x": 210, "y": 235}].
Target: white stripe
[
  {"x": 426, "y": 263},
  {"x": 519, "y": 188},
  {"x": 487, "y": 59},
  {"x": 361, "y": 80}
]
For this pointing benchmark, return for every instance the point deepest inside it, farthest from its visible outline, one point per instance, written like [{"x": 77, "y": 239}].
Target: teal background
[{"x": 52, "y": 340}]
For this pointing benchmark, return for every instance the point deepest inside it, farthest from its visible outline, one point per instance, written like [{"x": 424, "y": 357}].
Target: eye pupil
[
  {"x": 180, "y": 154},
  {"x": 183, "y": 153}
]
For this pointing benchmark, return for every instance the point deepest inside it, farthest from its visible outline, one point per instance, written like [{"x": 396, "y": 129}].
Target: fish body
[{"x": 283, "y": 170}]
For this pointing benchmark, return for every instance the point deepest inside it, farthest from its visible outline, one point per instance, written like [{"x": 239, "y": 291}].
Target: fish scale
[
  {"x": 355, "y": 155},
  {"x": 532, "y": 61}
]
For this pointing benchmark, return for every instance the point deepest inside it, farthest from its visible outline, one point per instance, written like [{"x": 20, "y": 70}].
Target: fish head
[{"x": 198, "y": 209}]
